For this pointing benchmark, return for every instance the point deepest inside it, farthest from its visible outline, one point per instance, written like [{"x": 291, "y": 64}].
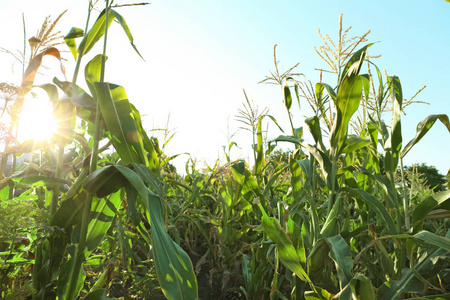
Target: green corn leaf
[
  {"x": 362, "y": 288},
  {"x": 92, "y": 72},
  {"x": 286, "y": 251},
  {"x": 319, "y": 96},
  {"x": 102, "y": 215},
  {"x": 347, "y": 102},
  {"x": 394, "y": 143},
  {"x": 320, "y": 86},
  {"x": 126, "y": 29},
  {"x": 98, "y": 30},
  {"x": 70, "y": 40},
  {"x": 314, "y": 127},
  {"x": 260, "y": 161},
  {"x": 353, "y": 65},
  {"x": 296, "y": 180},
  {"x": 104, "y": 181},
  {"x": 394, "y": 289},
  {"x": 354, "y": 143},
  {"x": 98, "y": 294},
  {"x": 243, "y": 176},
  {"x": 117, "y": 113},
  {"x": 434, "y": 240},
  {"x": 173, "y": 266},
  {"x": 95, "y": 33},
  {"x": 75, "y": 94},
  {"x": 426, "y": 206},
  {"x": 69, "y": 212},
  {"x": 376, "y": 205},
  {"x": 287, "y": 97},
  {"x": 342, "y": 257},
  {"x": 330, "y": 227},
  {"x": 422, "y": 129},
  {"x": 51, "y": 90}
]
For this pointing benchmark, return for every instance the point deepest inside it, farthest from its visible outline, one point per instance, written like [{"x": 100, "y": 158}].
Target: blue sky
[{"x": 200, "y": 55}]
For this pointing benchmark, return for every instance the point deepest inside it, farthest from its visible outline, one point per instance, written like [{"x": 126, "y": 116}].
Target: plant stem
[
  {"x": 55, "y": 195},
  {"x": 405, "y": 197},
  {"x": 80, "y": 257}
]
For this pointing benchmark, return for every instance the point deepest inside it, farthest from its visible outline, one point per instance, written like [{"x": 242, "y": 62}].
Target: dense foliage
[{"x": 103, "y": 214}]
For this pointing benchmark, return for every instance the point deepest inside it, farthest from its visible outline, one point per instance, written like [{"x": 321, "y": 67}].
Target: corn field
[{"x": 103, "y": 214}]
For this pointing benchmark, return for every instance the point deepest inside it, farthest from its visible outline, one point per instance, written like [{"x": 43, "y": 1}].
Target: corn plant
[
  {"x": 344, "y": 197},
  {"x": 82, "y": 215}
]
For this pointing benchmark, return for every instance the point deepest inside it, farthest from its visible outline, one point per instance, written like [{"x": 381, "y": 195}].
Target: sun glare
[{"x": 36, "y": 120}]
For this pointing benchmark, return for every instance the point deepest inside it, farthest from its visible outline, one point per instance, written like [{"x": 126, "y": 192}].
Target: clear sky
[{"x": 200, "y": 55}]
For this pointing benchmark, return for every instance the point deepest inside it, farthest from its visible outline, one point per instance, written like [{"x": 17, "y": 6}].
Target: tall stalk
[{"x": 79, "y": 257}]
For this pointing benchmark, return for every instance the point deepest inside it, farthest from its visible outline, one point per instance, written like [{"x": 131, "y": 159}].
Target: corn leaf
[
  {"x": 362, "y": 288},
  {"x": 286, "y": 251},
  {"x": 422, "y": 129},
  {"x": 95, "y": 33},
  {"x": 70, "y": 40},
  {"x": 394, "y": 289},
  {"x": 35, "y": 63},
  {"x": 102, "y": 215},
  {"x": 342, "y": 257},
  {"x": 426, "y": 206},
  {"x": 125, "y": 28},
  {"x": 347, "y": 102},
  {"x": 376, "y": 205},
  {"x": 354, "y": 143},
  {"x": 394, "y": 143},
  {"x": 260, "y": 161},
  {"x": 287, "y": 97},
  {"x": 314, "y": 127},
  {"x": 173, "y": 266},
  {"x": 117, "y": 113},
  {"x": 92, "y": 72},
  {"x": 353, "y": 65}
]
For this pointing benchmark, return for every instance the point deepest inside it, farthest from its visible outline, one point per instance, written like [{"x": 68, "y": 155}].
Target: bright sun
[{"x": 36, "y": 120}]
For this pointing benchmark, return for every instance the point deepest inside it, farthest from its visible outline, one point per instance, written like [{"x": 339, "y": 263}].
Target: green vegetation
[{"x": 103, "y": 214}]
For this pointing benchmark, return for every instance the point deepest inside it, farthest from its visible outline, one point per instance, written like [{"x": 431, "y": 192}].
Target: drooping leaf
[
  {"x": 314, "y": 127},
  {"x": 362, "y": 288},
  {"x": 422, "y": 129},
  {"x": 52, "y": 91},
  {"x": 341, "y": 255},
  {"x": 173, "y": 266},
  {"x": 34, "y": 65},
  {"x": 353, "y": 65},
  {"x": 434, "y": 240},
  {"x": 70, "y": 40},
  {"x": 98, "y": 30},
  {"x": 426, "y": 206},
  {"x": 125, "y": 29},
  {"x": 76, "y": 94},
  {"x": 376, "y": 205},
  {"x": 393, "y": 289}
]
